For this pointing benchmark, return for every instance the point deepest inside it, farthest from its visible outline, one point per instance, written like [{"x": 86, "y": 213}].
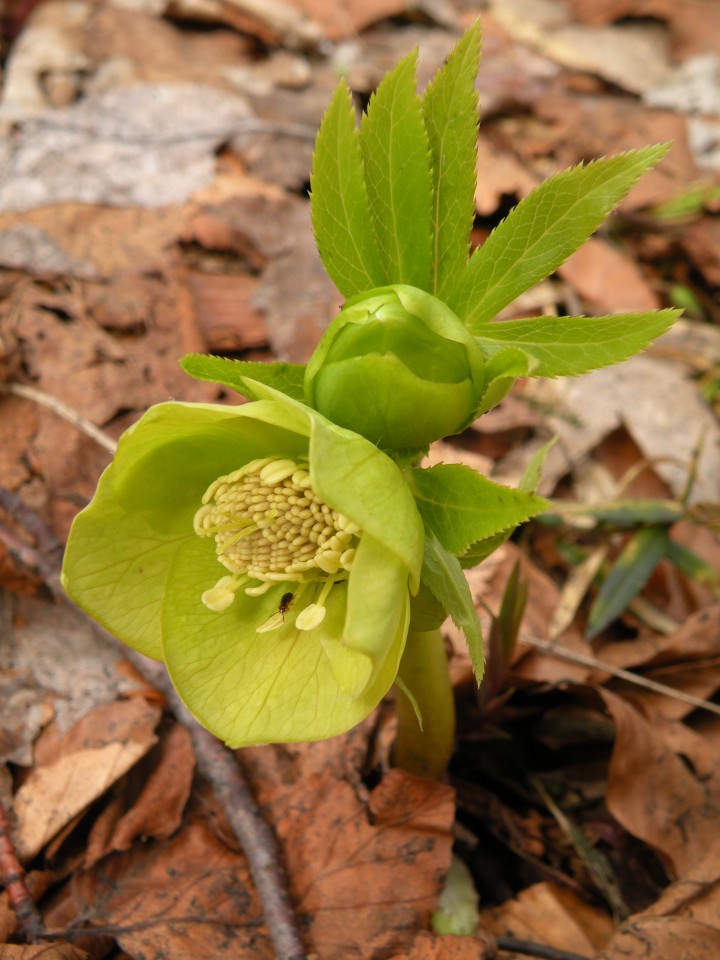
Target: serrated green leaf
[
  {"x": 460, "y": 506},
  {"x": 567, "y": 346},
  {"x": 543, "y": 230},
  {"x": 397, "y": 174},
  {"x": 450, "y": 109},
  {"x": 501, "y": 372},
  {"x": 343, "y": 226},
  {"x": 630, "y": 572},
  {"x": 285, "y": 377},
  {"x": 443, "y": 576}
]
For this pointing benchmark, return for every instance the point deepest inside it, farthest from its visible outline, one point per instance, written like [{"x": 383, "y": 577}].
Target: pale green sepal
[
  {"x": 395, "y": 153},
  {"x": 450, "y": 110},
  {"x": 342, "y": 223},
  {"x": 378, "y": 607},
  {"x": 285, "y": 377},
  {"x": 166, "y": 461},
  {"x": 543, "y": 230},
  {"x": 248, "y": 687},
  {"x": 443, "y": 576},
  {"x": 355, "y": 478},
  {"x": 567, "y": 346},
  {"x": 122, "y": 544},
  {"x": 461, "y": 507},
  {"x": 116, "y": 567}
]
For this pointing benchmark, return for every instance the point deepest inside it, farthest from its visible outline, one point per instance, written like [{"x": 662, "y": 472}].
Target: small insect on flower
[{"x": 286, "y": 601}]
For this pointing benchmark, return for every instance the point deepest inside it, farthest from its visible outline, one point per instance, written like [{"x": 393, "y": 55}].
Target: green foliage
[
  {"x": 450, "y": 112},
  {"x": 443, "y": 576},
  {"x": 285, "y": 377},
  {"x": 562, "y": 346},
  {"x": 543, "y": 230},
  {"x": 460, "y": 506}
]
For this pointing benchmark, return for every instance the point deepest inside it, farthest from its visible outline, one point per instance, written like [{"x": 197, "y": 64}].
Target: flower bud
[{"x": 398, "y": 367}]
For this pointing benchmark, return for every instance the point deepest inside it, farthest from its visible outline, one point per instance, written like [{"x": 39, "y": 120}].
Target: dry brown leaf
[
  {"x": 365, "y": 878},
  {"x": 499, "y": 174},
  {"x": 225, "y": 313},
  {"x": 654, "y": 795},
  {"x": 89, "y": 759},
  {"x": 158, "y": 810},
  {"x": 177, "y": 899},
  {"x": 694, "y": 24},
  {"x": 43, "y": 951},
  {"x": 427, "y": 946},
  {"x": 608, "y": 279},
  {"x": 346, "y": 18},
  {"x": 552, "y": 916},
  {"x": 663, "y": 938}
]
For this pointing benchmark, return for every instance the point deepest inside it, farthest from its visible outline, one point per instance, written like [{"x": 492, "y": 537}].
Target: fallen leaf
[
  {"x": 551, "y": 916},
  {"x": 608, "y": 279},
  {"x": 93, "y": 755},
  {"x": 663, "y": 938},
  {"x": 427, "y": 946},
  {"x": 365, "y": 879}
]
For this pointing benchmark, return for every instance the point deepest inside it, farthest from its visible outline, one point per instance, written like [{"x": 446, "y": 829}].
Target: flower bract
[{"x": 264, "y": 553}]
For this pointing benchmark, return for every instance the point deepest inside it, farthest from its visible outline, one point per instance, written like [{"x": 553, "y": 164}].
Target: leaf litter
[{"x": 170, "y": 228}]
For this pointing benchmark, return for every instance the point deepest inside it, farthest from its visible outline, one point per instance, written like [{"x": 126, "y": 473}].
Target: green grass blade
[
  {"x": 343, "y": 226},
  {"x": 630, "y": 573},
  {"x": 397, "y": 174},
  {"x": 567, "y": 346},
  {"x": 543, "y": 230},
  {"x": 450, "y": 109}
]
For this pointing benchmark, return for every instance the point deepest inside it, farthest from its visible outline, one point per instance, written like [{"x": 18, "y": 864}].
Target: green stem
[{"x": 424, "y": 675}]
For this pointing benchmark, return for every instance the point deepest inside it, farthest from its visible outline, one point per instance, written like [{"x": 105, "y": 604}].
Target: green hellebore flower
[
  {"x": 264, "y": 553},
  {"x": 397, "y": 366}
]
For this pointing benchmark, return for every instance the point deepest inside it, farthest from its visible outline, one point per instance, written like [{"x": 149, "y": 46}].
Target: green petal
[
  {"x": 168, "y": 459},
  {"x": 122, "y": 545},
  {"x": 248, "y": 687},
  {"x": 378, "y": 603}
]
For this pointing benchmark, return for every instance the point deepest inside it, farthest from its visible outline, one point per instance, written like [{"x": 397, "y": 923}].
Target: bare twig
[
  {"x": 220, "y": 768},
  {"x": 562, "y": 653},
  {"x": 12, "y": 876},
  {"x": 62, "y": 410},
  {"x": 531, "y": 949}
]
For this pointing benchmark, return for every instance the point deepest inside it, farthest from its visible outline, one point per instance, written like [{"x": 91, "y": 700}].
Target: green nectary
[{"x": 398, "y": 367}]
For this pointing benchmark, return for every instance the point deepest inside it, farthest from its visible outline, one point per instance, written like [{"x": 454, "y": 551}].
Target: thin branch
[
  {"x": 562, "y": 653},
  {"x": 62, "y": 410},
  {"x": 12, "y": 876},
  {"x": 531, "y": 949}
]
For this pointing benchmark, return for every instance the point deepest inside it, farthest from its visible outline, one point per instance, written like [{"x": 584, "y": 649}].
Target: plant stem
[{"x": 423, "y": 673}]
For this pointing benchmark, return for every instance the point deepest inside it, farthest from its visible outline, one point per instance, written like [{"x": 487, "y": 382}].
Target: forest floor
[{"x": 155, "y": 162}]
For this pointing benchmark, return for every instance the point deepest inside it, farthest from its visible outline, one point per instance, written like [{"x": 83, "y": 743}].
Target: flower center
[{"x": 270, "y": 526}]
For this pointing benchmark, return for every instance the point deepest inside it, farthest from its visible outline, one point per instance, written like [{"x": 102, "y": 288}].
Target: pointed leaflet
[
  {"x": 543, "y": 230},
  {"x": 285, "y": 377},
  {"x": 450, "y": 109},
  {"x": 397, "y": 173},
  {"x": 443, "y": 576},
  {"x": 460, "y": 506},
  {"x": 341, "y": 217},
  {"x": 567, "y": 346}
]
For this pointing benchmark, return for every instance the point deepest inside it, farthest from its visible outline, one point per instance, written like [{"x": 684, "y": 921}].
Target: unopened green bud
[{"x": 398, "y": 367}]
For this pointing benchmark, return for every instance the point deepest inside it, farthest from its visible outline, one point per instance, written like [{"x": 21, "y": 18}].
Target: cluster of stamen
[{"x": 270, "y": 526}]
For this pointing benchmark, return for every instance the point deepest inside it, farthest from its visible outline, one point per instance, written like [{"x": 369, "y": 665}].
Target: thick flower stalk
[{"x": 265, "y": 554}]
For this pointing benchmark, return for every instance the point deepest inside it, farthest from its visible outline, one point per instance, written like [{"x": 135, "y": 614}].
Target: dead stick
[
  {"x": 13, "y": 879},
  {"x": 220, "y": 768},
  {"x": 539, "y": 950}
]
